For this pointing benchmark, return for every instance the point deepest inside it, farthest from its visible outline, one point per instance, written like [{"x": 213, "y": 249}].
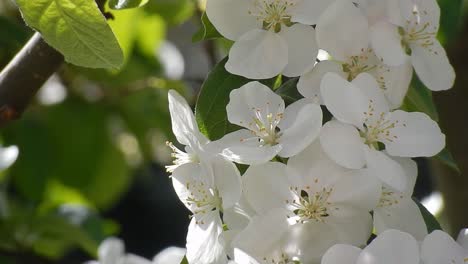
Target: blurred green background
[{"x": 92, "y": 144}]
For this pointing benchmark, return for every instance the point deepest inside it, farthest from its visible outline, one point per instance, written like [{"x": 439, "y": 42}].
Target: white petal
[
  {"x": 170, "y": 255},
  {"x": 307, "y": 12},
  {"x": 266, "y": 186},
  {"x": 303, "y": 238},
  {"x": 227, "y": 181},
  {"x": 303, "y": 123},
  {"x": 387, "y": 170},
  {"x": 462, "y": 238},
  {"x": 302, "y": 49},
  {"x": 411, "y": 171},
  {"x": 353, "y": 227},
  {"x": 253, "y": 101},
  {"x": 404, "y": 216},
  {"x": 243, "y": 147},
  {"x": 309, "y": 83},
  {"x": 343, "y": 144},
  {"x": 389, "y": 248},
  {"x": 342, "y": 30},
  {"x": 395, "y": 82},
  {"x": 313, "y": 168},
  {"x": 184, "y": 126},
  {"x": 239, "y": 216},
  {"x": 231, "y": 17},
  {"x": 438, "y": 247},
  {"x": 191, "y": 181},
  {"x": 241, "y": 257},
  {"x": 367, "y": 83},
  {"x": 258, "y": 54},
  {"x": 344, "y": 100},
  {"x": 386, "y": 42},
  {"x": 8, "y": 156},
  {"x": 341, "y": 254},
  {"x": 422, "y": 11},
  {"x": 357, "y": 189},
  {"x": 134, "y": 259},
  {"x": 203, "y": 243},
  {"x": 111, "y": 250},
  {"x": 433, "y": 67},
  {"x": 417, "y": 135},
  {"x": 273, "y": 225}
]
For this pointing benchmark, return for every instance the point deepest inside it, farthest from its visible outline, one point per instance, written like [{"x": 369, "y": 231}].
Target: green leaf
[
  {"x": 124, "y": 4},
  {"x": 288, "y": 91},
  {"x": 77, "y": 29},
  {"x": 123, "y": 25},
  {"x": 214, "y": 96},
  {"x": 419, "y": 99},
  {"x": 206, "y": 31},
  {"x": 445, "y": 156},
  {"x": 431, "y": 222}
]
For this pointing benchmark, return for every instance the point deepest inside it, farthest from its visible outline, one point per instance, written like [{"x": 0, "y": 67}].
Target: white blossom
[
  {"x": 271, "y": 129},
  {"x": 271, "y": 36},
  {"x": 363, "y": 121},
  {"x": 411, "y": 34},
  {"x": 319, "y": 198},
  {"x": 343, "y": 31}
]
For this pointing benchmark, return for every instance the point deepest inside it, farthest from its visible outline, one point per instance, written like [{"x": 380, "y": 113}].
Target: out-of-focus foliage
[{"x": 79, "y": 153}]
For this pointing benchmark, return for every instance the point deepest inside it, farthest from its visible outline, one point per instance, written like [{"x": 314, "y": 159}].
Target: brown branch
[{"x": 26, "y": 73}]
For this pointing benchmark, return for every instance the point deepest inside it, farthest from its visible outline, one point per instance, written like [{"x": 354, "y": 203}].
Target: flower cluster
[{"x": 311, "y": 185}]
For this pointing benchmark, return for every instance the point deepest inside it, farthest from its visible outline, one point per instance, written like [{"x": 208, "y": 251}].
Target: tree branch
[{"x": 26, "y": 73}]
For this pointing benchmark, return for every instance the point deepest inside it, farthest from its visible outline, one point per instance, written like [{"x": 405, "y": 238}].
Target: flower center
[
  {"x": 281, "y": 259},
  {"x": 389, "y": 198},
  {"x": 202, "y": 198},
  {"x": 272, "y": 14},
  {"x": 359, "y": 64},
  {"x": 310, "y": 206},
  {"x": 180, "y": 157},
  {"x": 377, "y": 128},
  {"x": 265, "y": 126},
  {"x": 422, "y": 34}
]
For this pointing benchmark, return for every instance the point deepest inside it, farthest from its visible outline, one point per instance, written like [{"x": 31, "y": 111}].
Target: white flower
[
  {"x": 438, "y": 247},
  {"x": 396, "y": 209},
  {"x": 112, "y": 251},
  {"x": 271, "y": 36},
  {"x": 364, "y": 120},
  {"x": 271, "y": 129},
  {"x": 343, "y": 31},
  {"x": 390, "y": 247},
  {"x": 205, "y": 182},
  {"x": 413, "y": 36},
  {"x": 321, "y": 200},
  {"x": 206, "y": 191},
  {"x": 185, "y": 128},
  {"x": 170, "y": 255}
]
